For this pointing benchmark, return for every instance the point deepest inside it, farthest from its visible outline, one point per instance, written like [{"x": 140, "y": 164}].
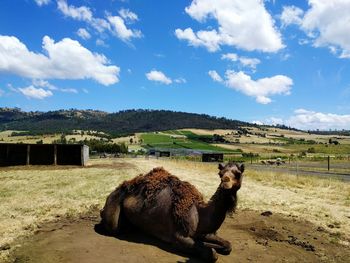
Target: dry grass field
[
  {"x": 126, "y": 139},
  {"x": 33, "y": 196},
  {"x": 262, "y": 149},
  {"x": 271, "y": 134},
  {"x": 5, "y": 136},
  {"x": 209, "y": 132}
]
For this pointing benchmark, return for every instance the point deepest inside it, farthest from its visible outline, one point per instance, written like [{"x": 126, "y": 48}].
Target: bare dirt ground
[{"x": 254, "y": 237}]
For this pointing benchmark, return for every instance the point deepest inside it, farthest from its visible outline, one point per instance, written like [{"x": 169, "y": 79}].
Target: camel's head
[{"x": 231, "y": 175}]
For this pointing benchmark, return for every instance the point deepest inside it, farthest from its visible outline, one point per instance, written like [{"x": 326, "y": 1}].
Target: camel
[{"x": 174, "y": 211}]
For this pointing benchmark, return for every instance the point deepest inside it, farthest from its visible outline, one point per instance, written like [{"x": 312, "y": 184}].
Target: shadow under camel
[{"x": 136, "y": 235}]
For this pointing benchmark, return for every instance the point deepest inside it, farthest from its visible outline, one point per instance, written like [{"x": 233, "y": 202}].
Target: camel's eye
[{"x": 238, "y": 176}]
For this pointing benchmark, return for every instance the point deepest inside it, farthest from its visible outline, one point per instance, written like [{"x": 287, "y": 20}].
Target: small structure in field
[
  {"x": 163, "y": 154},
  {"x": 43, "y": 154},
  {"x": 212, "y": 157},
  {"x": 159, "y": 153}
]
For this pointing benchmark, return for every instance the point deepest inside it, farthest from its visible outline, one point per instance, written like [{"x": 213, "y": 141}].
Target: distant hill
[{"x": 123, "y": 122}]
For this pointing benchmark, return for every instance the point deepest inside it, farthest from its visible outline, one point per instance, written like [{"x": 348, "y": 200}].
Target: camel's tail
[{"x": 111, "y": 212}]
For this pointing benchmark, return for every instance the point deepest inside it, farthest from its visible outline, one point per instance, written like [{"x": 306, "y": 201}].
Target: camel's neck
[{"x": 212, "y": 215}]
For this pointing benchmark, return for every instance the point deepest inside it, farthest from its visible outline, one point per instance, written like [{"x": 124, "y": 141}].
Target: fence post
[
  {"x": 297, "y": 166},
  {"x": 7, "y": 152},
  {"x": 55, "y": 154},
  {"x": 328, "y": 161},
  {"x": 28, "y": 154}
]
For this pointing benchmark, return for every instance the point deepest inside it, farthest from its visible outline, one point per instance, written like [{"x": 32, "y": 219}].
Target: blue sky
[{"x": 269, "y": 62}]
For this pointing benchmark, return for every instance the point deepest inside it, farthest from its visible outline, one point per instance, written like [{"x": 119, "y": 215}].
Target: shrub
[{"x": 311, "y": 150}]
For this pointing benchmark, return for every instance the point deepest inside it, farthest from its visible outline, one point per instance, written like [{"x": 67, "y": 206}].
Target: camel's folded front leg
[
  {"x": 196, "y": 248},
  {"x": 221, "y": 245},
  {"x": 111, "y": 212}
]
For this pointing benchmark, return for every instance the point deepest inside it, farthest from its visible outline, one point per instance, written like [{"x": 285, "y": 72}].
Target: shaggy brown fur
[{"x": 183, "y": 194}]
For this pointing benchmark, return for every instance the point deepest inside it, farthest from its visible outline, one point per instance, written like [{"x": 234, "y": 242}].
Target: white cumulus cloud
[
  {"x": 249, "y": 62},
  {"x": 306, "y": 120},
  {"x": 258, "y": 122},
  {"x": 127, "y": 15},
  {"x": 119, "y": 28},
  {"x": 35, "y": 93},
  {"x": 42, "y": 2},
  {"x": 326, "y": 23},
  {"x": 313, "y": 120},
  {"x": 66, "y": 59},
  {"x": 83, "y": 33},
  {"x": 113, "y": 24},
  {"x": 230, "y": 56},
  {"x": 291, "y": 15},
  {"x": 180, "y": 80},
  {"x": 208, "y": 39},
  {"x": 246, "y": 62},
  {"x": 69, "y": 90},
  {"x": 260, "y": 89},
  {"x": 101, "y": 43},
  {"x": 82, "y": 13},
  {"x": 100, "y": 24},
  {"x": 215, "y": 76},
  {"x": 158, "y": 76},
  {"x": 43, "y": 84},
  {"x": 274, "y": 121},
  {"x": 241, "y": 24}
]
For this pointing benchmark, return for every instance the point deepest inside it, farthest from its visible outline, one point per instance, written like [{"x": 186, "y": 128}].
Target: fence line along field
[{"x": 32, "y": 196}]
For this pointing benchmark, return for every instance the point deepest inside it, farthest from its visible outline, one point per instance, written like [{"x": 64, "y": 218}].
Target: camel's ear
[
  {"x": 221, "y": 166},
  {"x": 241, "y": 167}
]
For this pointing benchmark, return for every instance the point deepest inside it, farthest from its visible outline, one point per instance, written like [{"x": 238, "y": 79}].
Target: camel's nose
[{"x": 225, "y": 179}]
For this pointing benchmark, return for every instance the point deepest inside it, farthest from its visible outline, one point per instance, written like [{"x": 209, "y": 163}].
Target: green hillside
[{"x": 119, "y": 123}]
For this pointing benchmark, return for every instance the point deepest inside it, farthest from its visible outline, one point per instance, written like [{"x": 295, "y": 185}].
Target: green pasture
[{"x": 157, "y": 140}]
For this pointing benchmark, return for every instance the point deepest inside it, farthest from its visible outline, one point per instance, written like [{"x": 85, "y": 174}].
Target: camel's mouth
[
  {"x": 226, "y": 185},
  {"x": 229, "y": 183}
]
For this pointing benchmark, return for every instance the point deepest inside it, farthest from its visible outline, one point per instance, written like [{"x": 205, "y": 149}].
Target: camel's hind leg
[
  {"x": 111, "y": 213},
  {"x": 196, "y": 248}
]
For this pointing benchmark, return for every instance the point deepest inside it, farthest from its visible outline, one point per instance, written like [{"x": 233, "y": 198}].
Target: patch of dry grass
[
  {"x": 300, "y": 135},
  {"x": 5, "y": 136},
  {"x": 262, "y": 149},
  {"x": 209, "y": 132},
  {"x": 126, "y": 139},
  {"x": 319, "y": 200},
  {"x": 31, "y": 196}
]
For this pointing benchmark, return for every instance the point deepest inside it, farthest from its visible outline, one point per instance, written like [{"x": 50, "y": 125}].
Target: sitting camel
[{"x": 174, "y": 211}]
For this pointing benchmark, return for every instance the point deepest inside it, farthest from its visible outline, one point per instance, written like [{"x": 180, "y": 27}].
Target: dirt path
[{"x": 254, "y": 237}]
